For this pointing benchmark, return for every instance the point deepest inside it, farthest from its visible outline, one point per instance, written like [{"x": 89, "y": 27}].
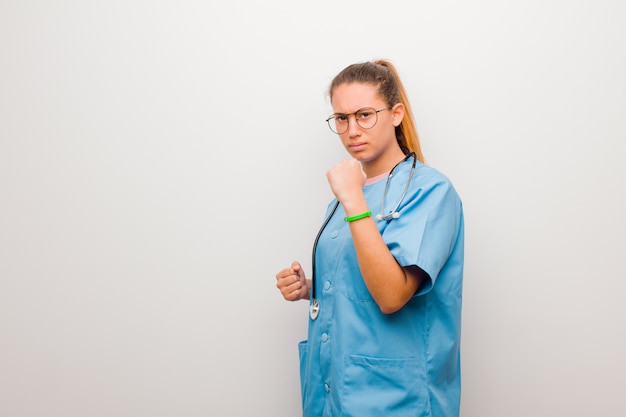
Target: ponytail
[{"x": 406, "y": 132}]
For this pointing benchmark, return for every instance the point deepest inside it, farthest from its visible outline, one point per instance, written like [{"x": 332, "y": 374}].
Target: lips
[{"x": 356, "y": 147}]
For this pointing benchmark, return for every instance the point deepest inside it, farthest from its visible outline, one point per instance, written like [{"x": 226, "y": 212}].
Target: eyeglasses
[{"x": 365, "y": 118}]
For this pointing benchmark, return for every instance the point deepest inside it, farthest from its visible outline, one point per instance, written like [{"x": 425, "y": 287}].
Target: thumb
[{"x": 297, "y": 268}]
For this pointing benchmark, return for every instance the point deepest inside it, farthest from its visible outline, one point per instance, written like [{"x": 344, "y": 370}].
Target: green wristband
[{"x": 358, "y": 216}]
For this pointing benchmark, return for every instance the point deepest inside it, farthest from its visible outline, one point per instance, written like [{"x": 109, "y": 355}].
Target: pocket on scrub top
[
  {"x": 302, "y": 351},
  {"x": 384, "y": 387}
]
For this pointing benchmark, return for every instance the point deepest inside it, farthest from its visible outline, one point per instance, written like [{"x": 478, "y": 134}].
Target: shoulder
[{"x": 430, "y": 180}]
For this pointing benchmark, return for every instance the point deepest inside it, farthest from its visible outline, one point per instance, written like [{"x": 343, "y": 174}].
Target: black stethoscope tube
[{"x": 317, "y": 238}]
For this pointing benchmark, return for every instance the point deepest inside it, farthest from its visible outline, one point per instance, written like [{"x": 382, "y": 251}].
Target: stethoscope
[{"x": 314, "y": 307}]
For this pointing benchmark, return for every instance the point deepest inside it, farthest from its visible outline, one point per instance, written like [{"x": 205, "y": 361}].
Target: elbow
[
  {"x": 390, "y": 303},
  {"x": 394, "y": 298},
  {"x": 390, "y": 307}
]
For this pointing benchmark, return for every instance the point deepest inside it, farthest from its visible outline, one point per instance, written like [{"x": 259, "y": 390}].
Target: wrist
[
  {"x": 359, "y": 216},
  {"x": 354, "y": 206}
]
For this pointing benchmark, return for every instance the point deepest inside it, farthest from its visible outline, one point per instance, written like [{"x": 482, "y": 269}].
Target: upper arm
[{"x": 416, "y": 278}]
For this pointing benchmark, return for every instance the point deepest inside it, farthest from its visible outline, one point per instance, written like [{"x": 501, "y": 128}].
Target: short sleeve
[{"x": 430, "y": 221}]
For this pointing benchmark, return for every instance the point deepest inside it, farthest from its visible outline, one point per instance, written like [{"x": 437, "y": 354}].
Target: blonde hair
[{"x": 382, "y": 74}]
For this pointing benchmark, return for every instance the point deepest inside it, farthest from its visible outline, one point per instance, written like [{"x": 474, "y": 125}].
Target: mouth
[{"x": 356, "y": 147}]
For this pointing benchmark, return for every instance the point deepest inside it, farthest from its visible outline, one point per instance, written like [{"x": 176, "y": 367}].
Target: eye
[
  {"x": 340, "y": 118},
  {"x": 364, "y": 114}
]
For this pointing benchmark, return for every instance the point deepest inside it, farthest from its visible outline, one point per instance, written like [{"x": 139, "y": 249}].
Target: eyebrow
[{"x": 356, "y": 111}]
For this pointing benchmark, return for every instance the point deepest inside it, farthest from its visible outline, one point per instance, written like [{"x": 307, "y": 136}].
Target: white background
[{"x": 161, "y": 160}]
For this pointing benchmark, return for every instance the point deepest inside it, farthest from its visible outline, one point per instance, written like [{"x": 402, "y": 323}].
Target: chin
[
  {"x": 359, "y": 155},
  {"x": 362, "y": 156}
]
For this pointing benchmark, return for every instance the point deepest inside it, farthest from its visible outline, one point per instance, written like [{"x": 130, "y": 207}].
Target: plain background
[{"x": 161, "y": 160}]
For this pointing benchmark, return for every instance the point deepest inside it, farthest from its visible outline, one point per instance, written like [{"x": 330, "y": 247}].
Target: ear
[{"x": 397, "y": 112}]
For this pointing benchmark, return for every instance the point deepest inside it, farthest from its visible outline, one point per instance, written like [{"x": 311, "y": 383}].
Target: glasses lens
[
  {"x": 367, "y": 117},
  {"x": 338, "y": 123}
]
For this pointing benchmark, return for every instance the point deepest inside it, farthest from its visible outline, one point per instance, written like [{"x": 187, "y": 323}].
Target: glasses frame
[{"x": 335, "y": 115}]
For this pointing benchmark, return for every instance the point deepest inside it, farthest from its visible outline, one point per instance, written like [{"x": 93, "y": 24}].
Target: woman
[{"x": 385, "y": 298}]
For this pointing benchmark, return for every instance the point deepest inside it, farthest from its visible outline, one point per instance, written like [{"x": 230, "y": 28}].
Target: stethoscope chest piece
[{"x": 314, "y": 309}]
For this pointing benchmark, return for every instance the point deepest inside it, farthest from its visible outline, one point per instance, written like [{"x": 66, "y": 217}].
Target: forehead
[{"x": 348, "y": 98}]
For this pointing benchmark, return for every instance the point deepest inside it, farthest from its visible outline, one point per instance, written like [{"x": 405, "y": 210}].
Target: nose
[{"x": 353, "y": 127}]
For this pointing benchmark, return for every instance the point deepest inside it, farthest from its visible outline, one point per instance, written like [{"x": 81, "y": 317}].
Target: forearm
[{"x": 389, "y": 284}]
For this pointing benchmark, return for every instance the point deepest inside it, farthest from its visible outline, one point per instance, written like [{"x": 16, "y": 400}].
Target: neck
[{"x": 382, "y": 164}]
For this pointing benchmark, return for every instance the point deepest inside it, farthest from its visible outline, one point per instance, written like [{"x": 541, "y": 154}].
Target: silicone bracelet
[{"x": 358, "y": 216}]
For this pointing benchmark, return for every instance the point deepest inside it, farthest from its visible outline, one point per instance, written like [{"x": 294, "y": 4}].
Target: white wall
[{"x": 161, "y": 160}]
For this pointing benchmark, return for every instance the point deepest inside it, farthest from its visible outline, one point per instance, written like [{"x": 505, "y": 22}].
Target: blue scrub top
[{"x": 360, "y": 362}]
